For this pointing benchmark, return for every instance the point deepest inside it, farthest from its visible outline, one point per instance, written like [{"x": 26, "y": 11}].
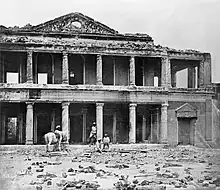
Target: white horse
[{"x": 55, "y": 138}]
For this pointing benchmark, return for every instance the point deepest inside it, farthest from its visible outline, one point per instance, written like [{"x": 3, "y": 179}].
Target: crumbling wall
[
  {"x": 200, "y": 136},
  {"x": 216, "y": 123}
]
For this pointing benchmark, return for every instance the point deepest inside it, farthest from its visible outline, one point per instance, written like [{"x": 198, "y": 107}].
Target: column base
[
  {"x": 99, "y": 83},
  {"x": 165, "y": 141},
  {"x": 29, "y": 142}
]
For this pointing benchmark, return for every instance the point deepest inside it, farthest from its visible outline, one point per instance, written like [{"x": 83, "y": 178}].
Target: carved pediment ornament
[
  {"x": 186, "y": 111},
  {"x": 74, "y": 22}
]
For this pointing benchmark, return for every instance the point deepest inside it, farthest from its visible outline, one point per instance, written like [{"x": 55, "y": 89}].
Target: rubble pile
[{"x": 121, "y": 169}]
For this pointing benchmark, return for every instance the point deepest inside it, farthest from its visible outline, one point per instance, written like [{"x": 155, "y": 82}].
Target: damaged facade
[{"x": 73, "y": 70}]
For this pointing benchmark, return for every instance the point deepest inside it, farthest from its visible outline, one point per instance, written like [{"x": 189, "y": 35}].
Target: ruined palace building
[{"x": 74, "y": 70}]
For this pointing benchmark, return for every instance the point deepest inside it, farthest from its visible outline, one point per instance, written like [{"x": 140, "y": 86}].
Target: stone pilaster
[
  {"x": 132, "y": 123},
  {"x": 163, "y": 123},
  {"x": 201, "y": 74},
  {"x": 99, "y": 119},
  {"x": 65, "y": 69},
  {"x": 84, "y": 112},
  {"x": 65, "y": 119},
  {"x": 29, "y": 67},
  {"x": 165, "y": 72},
  {"x": 29, "y": 123},
  {"x": 99, "y": 70},
  {"x": 132, "y": 71}
]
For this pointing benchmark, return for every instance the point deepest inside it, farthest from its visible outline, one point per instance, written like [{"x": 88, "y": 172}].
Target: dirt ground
[{"x": 183, "y": 167}]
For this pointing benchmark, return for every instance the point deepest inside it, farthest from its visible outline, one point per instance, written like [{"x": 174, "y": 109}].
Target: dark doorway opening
[
  {"x": 184, "y": 131},
  {"x": 43, "y": 126},
  {"x": 11, "y": 130},
  {"x": 76, "y": 129}
]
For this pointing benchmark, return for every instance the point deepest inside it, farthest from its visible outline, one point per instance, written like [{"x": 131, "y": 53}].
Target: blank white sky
[{"x": 183, "y": 24}]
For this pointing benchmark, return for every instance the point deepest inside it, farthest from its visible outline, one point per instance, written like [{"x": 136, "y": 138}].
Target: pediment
[
  {"x": 74, "y": 23},
  {"x": 186, "y": 110}
]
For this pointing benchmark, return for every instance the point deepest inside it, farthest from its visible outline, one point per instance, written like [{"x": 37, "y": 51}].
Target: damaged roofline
[{"x": 120, "y": 37}]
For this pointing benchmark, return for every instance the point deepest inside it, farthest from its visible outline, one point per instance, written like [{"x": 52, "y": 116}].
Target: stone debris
[
  {"x": 119, "y": 166},
  {"x": 64, "y": 175},
  {"x": 78, "y": 184},
  {"x": 171, "y": 165},
  {"x": 47, "y": 175},
  {"x": 153, "y": 171}
]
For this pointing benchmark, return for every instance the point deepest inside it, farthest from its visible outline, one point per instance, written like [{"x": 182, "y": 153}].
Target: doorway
[
  {"x": 76, "y": 129},
  {"x": 184, "y": 133},
  {"x": 11, "y": 130}
]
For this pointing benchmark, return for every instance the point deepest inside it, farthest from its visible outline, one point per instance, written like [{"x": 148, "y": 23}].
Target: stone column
[
  {"x": 84, "y": 112},
  {"x": 29, "y": 123},
  {"x": 99, "y": 119},
  {"x": 201, "y": 74},
  {"x": 114, "y": 130},
  {"x": 191, "y": 77},
  {"x": 29, "y": 67},
  {"x": 99, "y": 70},
  {"x": 165, "y": 72},
  {"x": 132, "y": 71},
  {"x": 163, "y": 129},
  {"x": 144, "y": 128},
  {"x": 132, "y": 123},
  {"x": 84, "y": 71},
  {"x": 65, "y": 119},
  {"x": 65, "y": 69}
]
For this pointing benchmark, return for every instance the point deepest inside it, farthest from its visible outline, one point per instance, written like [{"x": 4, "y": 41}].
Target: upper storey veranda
[{"x": 76, "y": 50}]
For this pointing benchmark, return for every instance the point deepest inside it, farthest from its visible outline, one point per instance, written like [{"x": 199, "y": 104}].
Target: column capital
[
  {"x": 99, "y": 56},
  {"x": 164, "y": 59},
  {"x": 165, "y": 104},
  {"x": 132, "y": 105},
  {"x": 99, "y": 104},
  {"x": 29, "y": 103},
  {"x": 65, "y": 103},
  {"x": 29, "y": 53},
  {"x": 65, "y": 53}
]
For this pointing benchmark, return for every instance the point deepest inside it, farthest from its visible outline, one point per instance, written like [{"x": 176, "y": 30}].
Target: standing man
[
  {"x": 93, "y": 134},
  {"x": 60, "y": 135}
]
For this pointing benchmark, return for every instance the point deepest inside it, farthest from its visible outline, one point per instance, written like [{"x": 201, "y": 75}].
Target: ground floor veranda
[{"x": 26, "y": 123}]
